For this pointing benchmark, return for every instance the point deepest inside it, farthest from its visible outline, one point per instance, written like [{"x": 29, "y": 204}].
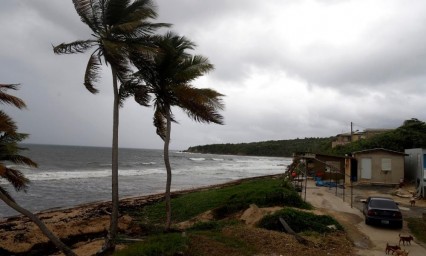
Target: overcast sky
[{"x": 289, "y": 69}]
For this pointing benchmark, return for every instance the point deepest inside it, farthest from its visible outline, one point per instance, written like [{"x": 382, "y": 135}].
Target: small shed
[
  {"x": 379, "y": 166},
  {"x": 323, "y": 166}
]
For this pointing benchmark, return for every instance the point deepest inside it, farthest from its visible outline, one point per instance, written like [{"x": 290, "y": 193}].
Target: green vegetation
[
  {"x": 281, "y": 148},
  {"x": 166, "y": 244},
  {"x": 412, "y": 134},
  {"x": 418, "y": 227},
  {"x": 224, "y": 201},
  {"x": 299, "y": 221}
]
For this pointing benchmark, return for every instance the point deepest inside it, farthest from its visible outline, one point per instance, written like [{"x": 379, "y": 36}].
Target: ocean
[{"x": 71, "y": 175}]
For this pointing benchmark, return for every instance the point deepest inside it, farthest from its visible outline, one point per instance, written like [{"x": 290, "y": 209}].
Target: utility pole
[{"x": 352, "y": 133}]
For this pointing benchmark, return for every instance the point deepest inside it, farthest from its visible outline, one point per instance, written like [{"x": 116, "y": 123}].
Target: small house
[{"x": 379, "y": 166}]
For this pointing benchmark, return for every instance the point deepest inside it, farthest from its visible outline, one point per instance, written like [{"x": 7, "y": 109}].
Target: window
[{"x": 386, "y": 164}]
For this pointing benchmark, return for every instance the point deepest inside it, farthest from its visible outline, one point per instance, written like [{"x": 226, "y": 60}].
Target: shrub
[
  {"x": 167, "y": 244},
  {"x": 274, "y": 196},
  {"x": 299, "y": 221}
]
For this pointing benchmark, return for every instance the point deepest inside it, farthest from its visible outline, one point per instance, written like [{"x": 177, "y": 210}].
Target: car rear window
[{"x": 380, "y": 203}]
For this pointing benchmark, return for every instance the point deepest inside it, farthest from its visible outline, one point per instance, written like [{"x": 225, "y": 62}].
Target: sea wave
[
  {"x": 149, "y": 163},
  {"x": 82, "y": 174},
  {"x": 197, "y": 158}
]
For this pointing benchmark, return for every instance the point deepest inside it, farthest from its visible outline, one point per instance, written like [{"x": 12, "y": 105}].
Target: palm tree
[
  {"x": 119, "y": 27},
  {"x": 168, "y": 79},
  {"x": 9, "y": 152}
]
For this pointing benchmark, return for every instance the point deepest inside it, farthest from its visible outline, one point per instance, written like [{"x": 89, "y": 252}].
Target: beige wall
[{"x": 377, "y": 174}]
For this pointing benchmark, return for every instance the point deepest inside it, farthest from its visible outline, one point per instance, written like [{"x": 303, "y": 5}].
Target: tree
[
  {"x": 9, "y": 152},
  {"x": 119, "y": 27},
  {"x": 167, "y": 77}
]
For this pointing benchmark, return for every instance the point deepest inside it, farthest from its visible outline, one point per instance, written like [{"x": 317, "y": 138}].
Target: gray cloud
[{"x": 288, "y": 69}]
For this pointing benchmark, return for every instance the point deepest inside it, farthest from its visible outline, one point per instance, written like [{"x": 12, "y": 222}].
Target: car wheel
[
  {"x": 367, "y": 222},
  {"x": 399, "y": 225}
]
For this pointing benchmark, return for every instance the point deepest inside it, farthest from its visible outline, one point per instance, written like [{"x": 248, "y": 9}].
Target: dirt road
[{"x": 368, "y": 240}]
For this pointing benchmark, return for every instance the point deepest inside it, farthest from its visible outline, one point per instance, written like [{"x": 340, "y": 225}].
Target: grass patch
[
  {"x": 299, "y": 221},
  {"x": 417, "y": 227},
  {"x": 221, "y": 241},
  {"x": 166, "y": 244},
  {"x": 263, "y": 192},
  {"x": 213, "y": 225}
]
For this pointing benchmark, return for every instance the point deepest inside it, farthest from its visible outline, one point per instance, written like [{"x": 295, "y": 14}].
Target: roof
[
  {"x": 314, "y": 155},
  {"x": 379, "y": 149}
]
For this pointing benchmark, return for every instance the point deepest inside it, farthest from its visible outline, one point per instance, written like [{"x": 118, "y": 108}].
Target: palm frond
[
  {"x": 201, "y": 105},
  {"x": 15, "y": 177},
  {"x": 134, "y": 87},
  {"x": 131, "y": 20},
  {"x": 9, "y": 86},
  {"x": 7, "y": 125},
  {"x": 79, "y": 46},
  {"x": 138, "y": 28},
  {"x": 89, "y": 12},
  {"x": 142, "y": 97},
  {"x": 92, "y": 73},
  {"x": 22, "y": 160},
  {"x": 179, "y": 43},
  {"x": 11, "y": 139},
  {"x": 160, "y": 124},
  {"x": 9, "y": 99},
  {"x": 115, "y": 10},
  {"x": 139, "y": 10},
  {"x": 192, "y": 68}
]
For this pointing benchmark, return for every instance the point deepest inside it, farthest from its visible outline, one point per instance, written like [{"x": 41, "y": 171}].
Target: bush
[
  {"x": 167, "y": 244},
  {"x": 274, "y": 196},
  {"x": 299, "y": 221}
]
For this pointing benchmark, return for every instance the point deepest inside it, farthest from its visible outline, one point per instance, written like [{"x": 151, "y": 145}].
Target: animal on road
[
  {"x": 405, "y": 239},
  {"x": 391, "y": 248}
]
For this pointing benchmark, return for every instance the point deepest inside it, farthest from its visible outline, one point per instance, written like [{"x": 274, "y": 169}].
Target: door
[{"x": 365, "y": 168}]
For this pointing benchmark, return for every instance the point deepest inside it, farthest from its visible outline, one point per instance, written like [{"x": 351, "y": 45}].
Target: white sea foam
[
  {"x": 149, "y": 163},
  {"x": 197, "y": 158},
  {"x": 84, "y": 174}
]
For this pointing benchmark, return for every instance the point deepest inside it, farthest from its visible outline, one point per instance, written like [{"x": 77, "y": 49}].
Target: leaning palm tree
[
  {"x": 119, "y": 27},
  {"x": 168, "y": 79},
  {"x": 9, "y": 152}
]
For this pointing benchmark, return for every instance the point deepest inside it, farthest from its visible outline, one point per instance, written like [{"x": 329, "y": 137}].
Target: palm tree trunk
[
  {"x": 112, "y": 234},
  {"x": 169, "y": 172},
  {"x": 54, "y": 239}
]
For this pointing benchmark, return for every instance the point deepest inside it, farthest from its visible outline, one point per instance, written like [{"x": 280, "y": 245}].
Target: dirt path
[{"x": 368, "y": 240}]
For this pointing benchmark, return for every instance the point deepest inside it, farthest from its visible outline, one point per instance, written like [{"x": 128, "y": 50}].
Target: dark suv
[{"x": 382, "y": 210}]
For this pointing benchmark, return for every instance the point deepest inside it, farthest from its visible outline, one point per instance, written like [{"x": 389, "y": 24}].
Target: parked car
[{"x": 382, "y": 210}]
